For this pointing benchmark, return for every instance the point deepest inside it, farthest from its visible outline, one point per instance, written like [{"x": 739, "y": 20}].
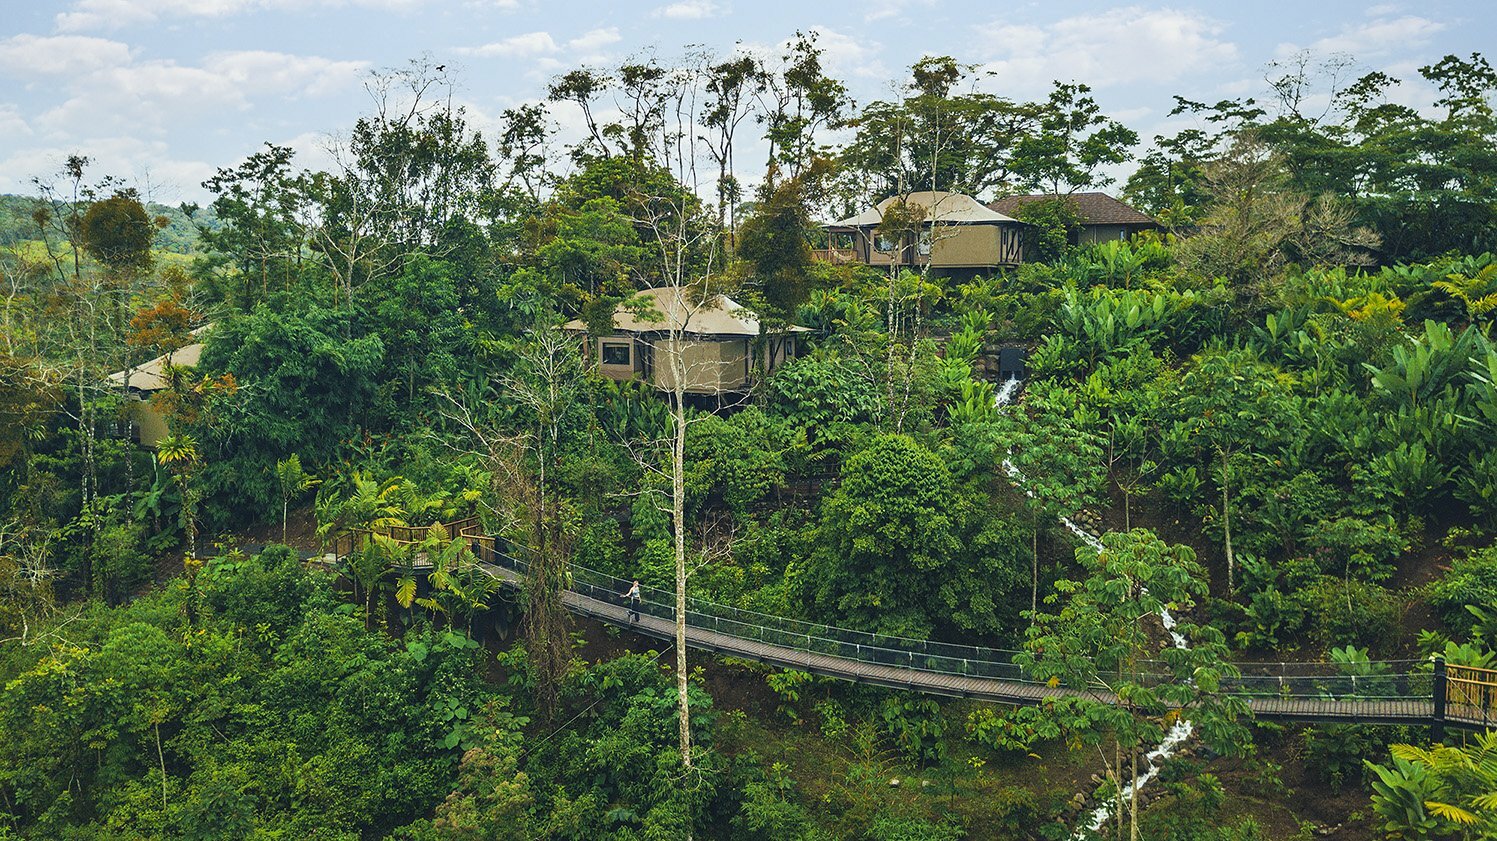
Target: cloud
[
  {"x": 141, "y": 99},
  {"x": 886, "y": 9},
  {"x": 25, "y": 56},
  {"x": 152, "y": 98},
  {"x": 1378, "y": 36},
  {"x": 1120, "y": 46},
  {"x": 847, "y": 56},
  {"x": 529, "y": 44},
  {"x": 270, "y": 72},
  {"x": 112, "y": 14},
  {"x": 146, "y": 164},
  {"x": 690, "y": 10},
  {"x": 545, "y": 53},
  {"x": 95, "y": 14},
  {"x": 594, "y": 39},
  {"x": 12, "y": 124}
]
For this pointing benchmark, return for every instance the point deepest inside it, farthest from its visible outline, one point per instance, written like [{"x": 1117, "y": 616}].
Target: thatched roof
[
  {"x": 151, "y": 376},
  {"x": 940, "y": 207},
  {"x": 716, "y": 316}
]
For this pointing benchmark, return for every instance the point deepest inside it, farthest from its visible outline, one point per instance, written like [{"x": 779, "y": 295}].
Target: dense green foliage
[{"x": 1280, "y": 413}]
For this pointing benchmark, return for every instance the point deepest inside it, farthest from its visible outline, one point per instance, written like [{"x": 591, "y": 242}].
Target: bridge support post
[{"x": 1437, "y": 726}]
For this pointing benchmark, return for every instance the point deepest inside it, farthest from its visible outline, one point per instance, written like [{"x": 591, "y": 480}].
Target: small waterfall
[
  {"x": 1006, "y": 391},
  {"x": 1177, "y": 736},
  {"x": 1182, "y": 729},
  {"x": 1172, "y": 741}
]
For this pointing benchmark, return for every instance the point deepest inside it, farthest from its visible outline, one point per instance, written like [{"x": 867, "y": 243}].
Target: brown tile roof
[{"x": 1093, "y": 208}]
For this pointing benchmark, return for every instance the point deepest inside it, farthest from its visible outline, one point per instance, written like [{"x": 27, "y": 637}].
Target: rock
[
  {"x": 894, "y": 783},
  {"x": 1327, "y": 830},
  {"x": 925, "y": 783}
]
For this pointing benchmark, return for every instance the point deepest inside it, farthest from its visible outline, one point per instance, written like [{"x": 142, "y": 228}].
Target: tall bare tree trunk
[
  {"x": 1117, "y": 778},
  {"x": 1034, "y": 566},
  {"x": 161, "y": 758},
  {"x": 1133, "y": 799},
  {"x": 678, "y": 519},
  {"x": 1227, "y": 522}
]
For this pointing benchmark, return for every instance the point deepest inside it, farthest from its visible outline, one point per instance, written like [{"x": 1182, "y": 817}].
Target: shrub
[
  {"x": 916, "y": 727},
  {"x": 1472, "y": 580},
  {"x": 888, "y": 828},
  {"x": 1334, "y": 752},
  {"x": 1351, "y": 613},
  {"x": 119, "y": 564},
  {"x": 816, "y": 393},
  {"x": 1018, "y": 729}
]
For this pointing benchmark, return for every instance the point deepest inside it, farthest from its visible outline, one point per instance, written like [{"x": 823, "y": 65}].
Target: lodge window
[
  {"x": 615, "y": 353},
  {"x": 884, "y": 243},
  {"x": 923, "y": 244}
]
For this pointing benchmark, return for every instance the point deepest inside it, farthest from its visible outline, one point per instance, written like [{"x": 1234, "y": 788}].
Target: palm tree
[
  {"x": 294, "y": 482},
  {"x": 458, "y": 586},
  {"x": 370, "y": 505},
  {"x": 367, "y": 567},
  {"x": 179, "y": 454}
]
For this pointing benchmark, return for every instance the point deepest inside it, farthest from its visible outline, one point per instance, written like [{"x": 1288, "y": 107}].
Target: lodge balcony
[{"x": 835, "y": 255}]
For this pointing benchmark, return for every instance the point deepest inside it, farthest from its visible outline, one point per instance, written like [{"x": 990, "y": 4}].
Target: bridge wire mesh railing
[{"x": 1390, "y": 680}]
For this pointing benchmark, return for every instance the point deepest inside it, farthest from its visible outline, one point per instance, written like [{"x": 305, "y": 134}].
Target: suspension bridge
[{"x": 1411, "y": 692}]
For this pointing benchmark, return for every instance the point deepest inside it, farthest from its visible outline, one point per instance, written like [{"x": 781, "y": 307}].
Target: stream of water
[{"x": 1182, "y": 729}]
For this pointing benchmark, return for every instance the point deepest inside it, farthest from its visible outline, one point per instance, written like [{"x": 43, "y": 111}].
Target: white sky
[{"x": 163, "y": 92}]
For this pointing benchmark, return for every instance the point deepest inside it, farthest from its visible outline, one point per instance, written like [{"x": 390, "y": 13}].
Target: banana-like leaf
[
  {"x": 405, "y": 591},
  {"x": 1450, "y": 813}
]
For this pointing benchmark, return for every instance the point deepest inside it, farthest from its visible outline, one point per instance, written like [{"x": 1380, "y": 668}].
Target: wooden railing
[
  {"x": 834, "y": 255},
  {"x": 1471, "y": 694},
  {"x": 354, "y": 539}
]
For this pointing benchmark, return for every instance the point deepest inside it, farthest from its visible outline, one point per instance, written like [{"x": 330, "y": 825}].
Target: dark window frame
[{"x": 626, "y": 347}]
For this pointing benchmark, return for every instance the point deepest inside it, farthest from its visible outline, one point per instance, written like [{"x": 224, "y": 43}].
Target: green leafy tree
[
  {"x": 1073, "y": 144},
  {"x": 1059, "y": 460},
  {"x": 938, "y": 135},
  {"x": 1231, "y": 405},
  {"x": 145, "y": 663},
  {"x": 887, "y": 536},
  {"x": 800, "y": 102},
  {"x": 1052, "y": 222},
  {"x": 261, "y": 221},
  {"x": 302, "y": 387},
  {"x": 773, "y": 239},
  {"x": 119, "y": 233},
  {"x": 1103, "y": 640},
  {"x": 902, "y": 549}
]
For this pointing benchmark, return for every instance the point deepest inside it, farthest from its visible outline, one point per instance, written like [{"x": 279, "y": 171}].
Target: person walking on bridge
[{"x": 633, "y": 596}]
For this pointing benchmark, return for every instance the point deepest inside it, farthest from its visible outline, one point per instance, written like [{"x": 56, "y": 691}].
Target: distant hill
[{"x": 180, "y": 236}]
